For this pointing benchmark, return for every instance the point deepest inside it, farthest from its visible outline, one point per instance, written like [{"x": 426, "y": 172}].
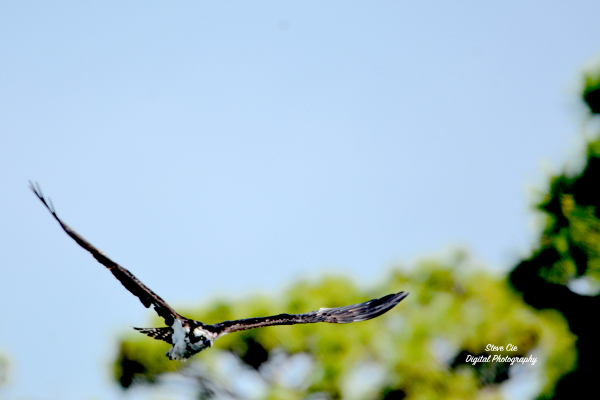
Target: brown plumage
[{"x": 189, "y": 337}]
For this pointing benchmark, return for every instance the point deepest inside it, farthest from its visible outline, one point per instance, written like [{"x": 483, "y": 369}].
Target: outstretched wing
[
  {"x": 340, "y": 315},
  {"x": 131, "y": 283}
]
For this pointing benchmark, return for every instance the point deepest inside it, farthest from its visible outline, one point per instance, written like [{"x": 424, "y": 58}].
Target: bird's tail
[{"x": 158, "y": 333}]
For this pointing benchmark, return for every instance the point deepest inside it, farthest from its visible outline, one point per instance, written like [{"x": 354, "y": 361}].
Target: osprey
[{"x": 188, "y": 337}]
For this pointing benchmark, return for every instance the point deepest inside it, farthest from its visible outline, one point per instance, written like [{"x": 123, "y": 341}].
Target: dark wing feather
[
  {"x": 340, "y": 315},
  {"x": 158, "y": 333},
  {"x": 131, "y": 283}
]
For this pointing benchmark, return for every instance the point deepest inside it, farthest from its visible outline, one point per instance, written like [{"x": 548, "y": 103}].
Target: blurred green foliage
[
  {"x": 419, "y": 348},
  {"x": 563, "y": 272},
  {"x": 591, "y": 91},
  {"x": 3, "y": 370}
]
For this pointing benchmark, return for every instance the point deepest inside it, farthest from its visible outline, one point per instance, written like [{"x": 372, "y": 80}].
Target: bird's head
[{"x": 200, "y": 339}]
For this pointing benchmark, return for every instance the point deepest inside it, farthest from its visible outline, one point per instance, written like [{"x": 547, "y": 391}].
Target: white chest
[{"x": 178, "y": 350}]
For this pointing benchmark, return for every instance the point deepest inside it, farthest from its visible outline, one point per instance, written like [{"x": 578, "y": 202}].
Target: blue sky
[{"x": 225, "y": 149}]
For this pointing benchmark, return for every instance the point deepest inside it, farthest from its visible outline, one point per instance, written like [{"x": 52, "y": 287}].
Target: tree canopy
[
  {"x": 568, "y": 254},
  {"x": 416, "y": 351}
]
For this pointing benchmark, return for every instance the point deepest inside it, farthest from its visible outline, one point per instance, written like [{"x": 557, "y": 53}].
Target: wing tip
[
  {"x": 37, "y": 190},
  {"x": 383, "y": 305},
  {"x": 400, "y": 296}
]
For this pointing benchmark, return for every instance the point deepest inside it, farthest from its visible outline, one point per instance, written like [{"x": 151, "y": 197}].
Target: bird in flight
[{"x": 188, "y": 337}]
